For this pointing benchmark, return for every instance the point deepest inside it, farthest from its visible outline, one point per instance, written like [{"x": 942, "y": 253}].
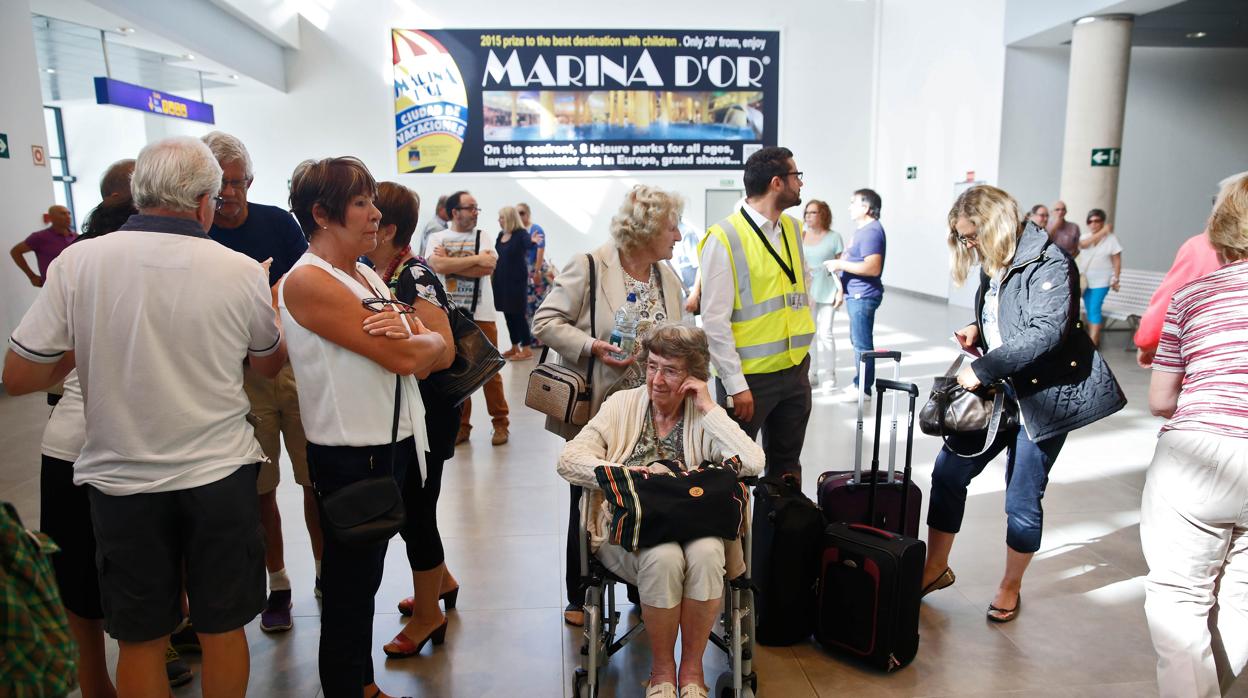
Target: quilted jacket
[{"x": 1062, "y": 382}]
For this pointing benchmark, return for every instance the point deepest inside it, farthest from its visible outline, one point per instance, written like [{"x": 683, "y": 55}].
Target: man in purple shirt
[
  {"x": 1064, "y": 233},
  {"x": 46, "y": 244}
]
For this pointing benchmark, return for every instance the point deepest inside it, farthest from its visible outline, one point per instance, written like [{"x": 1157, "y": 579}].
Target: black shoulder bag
[
  {"x": 476, "y": 358},
  {"x": 367, "y": 511}
]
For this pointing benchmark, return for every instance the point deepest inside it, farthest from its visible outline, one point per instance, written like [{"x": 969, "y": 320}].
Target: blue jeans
[
  {"x": 862, "y": 334},
  {"x": 1026, "y": 475}
]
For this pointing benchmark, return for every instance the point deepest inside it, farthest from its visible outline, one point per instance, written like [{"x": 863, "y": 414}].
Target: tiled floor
[{"x": 1082, "y": 631}]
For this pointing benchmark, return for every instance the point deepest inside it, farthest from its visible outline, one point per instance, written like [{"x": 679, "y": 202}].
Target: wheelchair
[{"x": 603, "y": 623}]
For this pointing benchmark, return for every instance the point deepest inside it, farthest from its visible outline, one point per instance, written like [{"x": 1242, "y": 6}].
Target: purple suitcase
[{"x": 844, "y": 494}]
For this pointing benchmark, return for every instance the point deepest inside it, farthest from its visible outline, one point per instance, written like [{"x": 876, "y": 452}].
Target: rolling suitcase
[
  {"x": 843, "y": 493},
  {"x": 870, "y": 579},
  {"x": 788, "y": 538}
]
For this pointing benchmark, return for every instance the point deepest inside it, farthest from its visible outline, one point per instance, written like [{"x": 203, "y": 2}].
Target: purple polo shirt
[{"x": 47, "y": 244}]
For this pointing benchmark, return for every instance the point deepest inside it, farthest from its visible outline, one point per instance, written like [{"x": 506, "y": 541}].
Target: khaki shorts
[{"x": 275, "y": 403}]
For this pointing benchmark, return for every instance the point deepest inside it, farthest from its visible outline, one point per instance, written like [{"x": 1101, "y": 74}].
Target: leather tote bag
[
  {"x": 672, "y": 507},
  {"x": 562, "y": 392},
  {"x": 367, "y": 511},
  {"x": 952, "y": 409}
]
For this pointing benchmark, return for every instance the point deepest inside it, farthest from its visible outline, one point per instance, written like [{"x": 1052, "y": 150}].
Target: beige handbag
[{"x": 561, "y": 392}]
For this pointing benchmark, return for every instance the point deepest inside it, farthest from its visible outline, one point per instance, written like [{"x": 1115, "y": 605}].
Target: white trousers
[
  {"x": 1194, "y": 531},
  {"x": 669, "y": 572},
  {"x": 823, "y": 349}
]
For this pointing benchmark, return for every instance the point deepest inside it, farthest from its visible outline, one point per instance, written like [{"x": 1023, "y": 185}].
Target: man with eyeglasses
[
  {"x": 861, "y": 268},
  {"x": 756, "y": 311},
  {"x": 271, "y": 236},
  {"x": 1064, "y": 233},
  {"x": 465, "y": 263}
]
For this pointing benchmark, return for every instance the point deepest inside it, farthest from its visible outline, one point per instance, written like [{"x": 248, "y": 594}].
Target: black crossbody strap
[
  {"x": 787, "y": 268},
  {"x": 476, "y": 287},
  {"x": 394, "y": 429}
]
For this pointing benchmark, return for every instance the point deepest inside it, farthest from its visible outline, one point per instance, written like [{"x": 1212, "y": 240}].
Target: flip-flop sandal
[
  {"x": 946, "y": 579},
  {"x": 1007, "y": 614}
]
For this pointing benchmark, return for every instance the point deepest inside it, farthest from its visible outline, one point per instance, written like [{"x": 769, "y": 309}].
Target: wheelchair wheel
[
  {"x": 723, "y": 686},
  {"x": 581, "y": 687}
]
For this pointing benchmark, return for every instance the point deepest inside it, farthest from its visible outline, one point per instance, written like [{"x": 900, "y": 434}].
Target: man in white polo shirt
[{"x": 157, "y": 319}]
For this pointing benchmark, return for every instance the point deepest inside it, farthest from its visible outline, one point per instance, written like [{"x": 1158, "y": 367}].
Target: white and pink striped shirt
[{"x": 1205, "y": 338}]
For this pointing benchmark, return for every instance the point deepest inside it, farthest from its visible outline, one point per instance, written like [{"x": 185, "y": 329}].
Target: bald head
[
  {"x": 58, "y": 216},
  {"x": 1059, "y": 210}
]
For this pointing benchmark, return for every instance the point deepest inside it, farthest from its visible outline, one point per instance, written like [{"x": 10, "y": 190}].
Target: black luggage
[
  {"x": 871, "y": 579},
  {"x": 787, "y": 540},
  {"x": 843, "y": 493}
]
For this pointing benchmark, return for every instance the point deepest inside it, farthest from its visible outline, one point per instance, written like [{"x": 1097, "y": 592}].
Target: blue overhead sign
[{"x": 124, "y": 94}]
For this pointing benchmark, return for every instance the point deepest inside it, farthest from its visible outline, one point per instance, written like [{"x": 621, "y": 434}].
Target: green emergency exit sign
[
  {"x": 1106, "y": 157},
  {"x": 4, "y": 145}
]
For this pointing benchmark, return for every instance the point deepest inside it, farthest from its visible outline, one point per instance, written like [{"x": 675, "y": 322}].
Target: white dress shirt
[{"x": 718, "y": 294}]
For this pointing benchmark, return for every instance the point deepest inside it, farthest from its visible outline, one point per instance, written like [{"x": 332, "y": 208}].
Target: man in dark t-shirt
[
  {"x": 861, "y": 268},
  {"x": 267, "y": 233}
]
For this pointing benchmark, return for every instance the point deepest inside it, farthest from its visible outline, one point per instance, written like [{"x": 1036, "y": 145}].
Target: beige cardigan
[
  {"x": 562, "y": 321},
  {"x": 609, "y": 439}
]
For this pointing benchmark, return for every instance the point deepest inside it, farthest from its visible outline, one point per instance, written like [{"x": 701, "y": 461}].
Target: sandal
[
  {"x": 1007, "y": 614},
  {"x": 946, "y": 579}
]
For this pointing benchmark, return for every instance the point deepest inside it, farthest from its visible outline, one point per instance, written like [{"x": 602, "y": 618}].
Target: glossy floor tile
[{"x": 1081, "y": 634}]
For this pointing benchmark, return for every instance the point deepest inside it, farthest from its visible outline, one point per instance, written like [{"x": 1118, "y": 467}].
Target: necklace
[{"x": 394, "y": 263}]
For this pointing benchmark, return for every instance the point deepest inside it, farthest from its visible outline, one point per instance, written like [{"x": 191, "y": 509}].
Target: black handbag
[
  {"x": 476, "y": 358},
  {"x": 370, "y": 510},
  {"x": 649, "y": 509},
  {"x": 952, "y": 410}
]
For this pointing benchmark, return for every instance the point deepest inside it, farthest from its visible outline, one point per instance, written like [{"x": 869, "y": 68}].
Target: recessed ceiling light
[
  {"x": 233, "y": 76},
  {"x": 126, "y": 30},
  {"x": 1085, "y": 20},
  {"x": 188, "y": 56},
  {"x": 1196, "y": 35},
  {"x": 50, "y": 71}
]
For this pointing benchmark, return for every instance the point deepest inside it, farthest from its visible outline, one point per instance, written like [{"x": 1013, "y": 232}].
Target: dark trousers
[
  {"x": 572, "y": 560},
  {"x": 781, "y": 410},
  {"x": 518, "y": 329},
  {"x": 1026, "y": 476},
  {"x": 420, "y": 530},
  {"x": 862, "y": 334},
  {"x": 350, "y": 574}
]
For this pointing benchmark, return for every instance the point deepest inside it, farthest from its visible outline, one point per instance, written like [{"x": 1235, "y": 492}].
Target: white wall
[
  {"x": 340, "y": 103},
  {"x": 25, "y": 190},
  {"x": 940, "y": 80},
  {"x": 1183, "y": 131}
]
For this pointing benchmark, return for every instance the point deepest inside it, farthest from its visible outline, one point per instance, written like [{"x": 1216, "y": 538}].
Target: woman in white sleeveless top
[{"x": 346, "y": 358}]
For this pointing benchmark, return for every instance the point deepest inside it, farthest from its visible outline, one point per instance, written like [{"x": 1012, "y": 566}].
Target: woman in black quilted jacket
[{"x": 1029, "y": 338}]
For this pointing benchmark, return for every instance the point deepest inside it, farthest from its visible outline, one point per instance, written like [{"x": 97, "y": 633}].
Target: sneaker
[
  {"x": 176, "y": 668},
  {"x": 276, "y": 615},
  {"x": 500, "y": 437},
  {"x": 316, "y": 590},
  {"x": 186, "y": 640}
]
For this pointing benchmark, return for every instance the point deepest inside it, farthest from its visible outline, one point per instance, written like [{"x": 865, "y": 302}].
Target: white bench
[{"x": 1135, "y": 289}]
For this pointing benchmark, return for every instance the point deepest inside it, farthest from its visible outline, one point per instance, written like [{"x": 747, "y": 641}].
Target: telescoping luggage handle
[
  {"x": 882, "y": 385},
  {"x": 892, "y": 444}
]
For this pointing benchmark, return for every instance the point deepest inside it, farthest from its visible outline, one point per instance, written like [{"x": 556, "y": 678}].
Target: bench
[{"x": 1135, "y": 289}]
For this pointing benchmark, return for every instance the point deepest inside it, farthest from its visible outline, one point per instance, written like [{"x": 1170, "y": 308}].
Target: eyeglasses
[
  {"x": 236, "y": 183},
  {"x": 471, "y": 209},
  {"x": 795, "y": 173},
  {"x": 218, "y": 202},
  {"x": 378, "y": 305},
  {"x": 1095, "y": 220},
  {"x": 967, "y": 240},
  {"x": 665, "y": 372}
]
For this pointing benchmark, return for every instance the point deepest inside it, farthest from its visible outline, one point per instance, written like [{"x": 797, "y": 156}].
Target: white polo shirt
[{"x": 160, "y": 318}]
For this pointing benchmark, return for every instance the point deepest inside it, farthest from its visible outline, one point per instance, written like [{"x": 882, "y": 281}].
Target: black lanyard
[{"x": 787, "y": 268}]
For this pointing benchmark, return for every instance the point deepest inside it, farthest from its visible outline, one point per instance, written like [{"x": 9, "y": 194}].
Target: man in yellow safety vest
[{"x": 756, "y": 312}]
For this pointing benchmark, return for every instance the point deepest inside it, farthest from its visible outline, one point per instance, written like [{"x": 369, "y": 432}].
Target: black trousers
[
  {"x": 350, "y": 574},
  {"x": 781, "y": 411},
  {"x": 420, "y": 530},
  {"x": 518, "y": 329},
  {"x": 572, "y": 561}
]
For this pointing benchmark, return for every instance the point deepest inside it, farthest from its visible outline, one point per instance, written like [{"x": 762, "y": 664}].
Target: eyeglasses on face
[
  {"x": 795, "y": 173},
  {"x": 470, "y": 209},
  {"x": 236, "y": 183},
  {"x": 378, "y": 305},
  {"x": 665, "y": 372},
  {"x": 1095, "y": 220}
]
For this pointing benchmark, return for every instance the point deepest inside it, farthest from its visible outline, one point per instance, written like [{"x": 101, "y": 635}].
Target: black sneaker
[
  {"x": 178, "y": 671},
  {"x": 317, "y": 589},
  {"x": 276, "y": 615},
  {"x": 186, "y": 641}
]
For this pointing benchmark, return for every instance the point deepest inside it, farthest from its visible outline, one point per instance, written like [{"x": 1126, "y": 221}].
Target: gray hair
[
  {"x": 647, "y": 212},
  {"x": 174, "y": 173},
  {"x": 226, "y": 148},
  {"x": 673, "y": 341}
]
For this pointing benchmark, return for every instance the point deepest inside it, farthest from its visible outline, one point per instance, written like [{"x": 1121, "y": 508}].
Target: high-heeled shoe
[
  {"x": 401, "y": 646},
  {"x": 447, "y": 598}
]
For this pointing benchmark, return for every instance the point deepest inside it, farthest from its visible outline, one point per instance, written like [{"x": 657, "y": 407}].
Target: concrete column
[{"x": 1096, "y": 98}]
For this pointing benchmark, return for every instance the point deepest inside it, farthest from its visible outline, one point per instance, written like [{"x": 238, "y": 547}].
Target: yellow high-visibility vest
[{"x": 771, "y": 317}]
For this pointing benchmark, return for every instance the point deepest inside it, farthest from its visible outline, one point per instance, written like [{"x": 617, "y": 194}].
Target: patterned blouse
[
  {"x": 650, "y": 447},
  {"x": 653, "y": 312}
]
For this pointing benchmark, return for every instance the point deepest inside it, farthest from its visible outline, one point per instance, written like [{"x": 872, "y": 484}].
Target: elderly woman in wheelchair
[{"x": 671, "y": 419}]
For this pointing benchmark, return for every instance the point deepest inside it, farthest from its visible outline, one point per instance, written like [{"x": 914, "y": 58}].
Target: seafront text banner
[{"x": 500, "y": 100}]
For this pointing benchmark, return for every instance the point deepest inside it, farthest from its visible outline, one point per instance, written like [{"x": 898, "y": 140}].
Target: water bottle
[{"x": 624, "y": 334}]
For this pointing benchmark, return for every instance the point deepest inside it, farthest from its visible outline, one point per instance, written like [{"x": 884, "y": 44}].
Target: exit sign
[
  {"x": 1106, "y": 157},
  {"x": 912, "y": 172}
]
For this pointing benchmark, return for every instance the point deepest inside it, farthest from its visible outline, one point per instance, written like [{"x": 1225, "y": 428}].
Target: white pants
[
  {"x": 669, "y": 572},
  {"x": 1194, "y": 531},
  {"x": 823, "y": 349}
]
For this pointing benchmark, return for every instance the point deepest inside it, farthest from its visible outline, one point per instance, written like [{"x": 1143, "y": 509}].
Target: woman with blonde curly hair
[
  {"x": 643, "y": 233},
  {"x": 1029, "y": 342}
]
